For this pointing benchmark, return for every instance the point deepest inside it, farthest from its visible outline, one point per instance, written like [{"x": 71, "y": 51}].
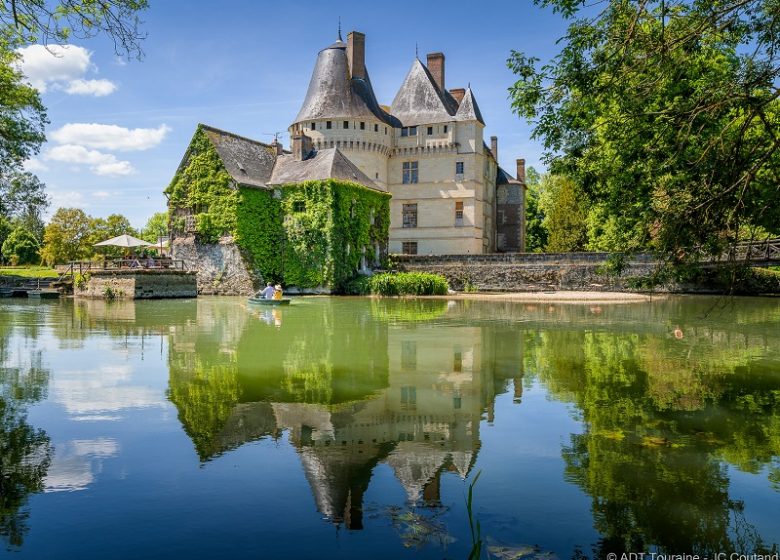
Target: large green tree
[
  {"x": 156, "y": 227},
  {"x": 67, "y": 237},
  {"x": 564, "y": 210},
  {"x": 666, "y": 113},
  {"x": 535, "y": 232},
  {"x": 20, "y": 247}
]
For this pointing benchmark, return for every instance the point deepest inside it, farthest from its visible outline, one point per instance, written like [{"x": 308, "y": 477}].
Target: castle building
[{"x": 449, "y": 195}]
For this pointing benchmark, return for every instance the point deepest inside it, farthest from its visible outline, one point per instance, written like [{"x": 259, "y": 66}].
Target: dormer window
[{"x": 346, "y": 124}]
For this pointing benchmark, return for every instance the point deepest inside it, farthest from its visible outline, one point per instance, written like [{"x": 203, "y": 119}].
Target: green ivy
[{"x": 306, "y": 234}]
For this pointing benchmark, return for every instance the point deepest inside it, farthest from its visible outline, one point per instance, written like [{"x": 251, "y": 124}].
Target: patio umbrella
[{"x": 124, "y": 241}]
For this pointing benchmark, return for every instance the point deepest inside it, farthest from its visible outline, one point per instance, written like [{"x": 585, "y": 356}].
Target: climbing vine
[{"x": 310, "y": 234}]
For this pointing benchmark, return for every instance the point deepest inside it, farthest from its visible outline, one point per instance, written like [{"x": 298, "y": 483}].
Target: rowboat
[{"x": 271, "y": 302}]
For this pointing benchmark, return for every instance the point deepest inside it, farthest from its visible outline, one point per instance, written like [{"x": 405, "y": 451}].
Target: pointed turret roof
[
  {"x": 469, "y": 110},
  {"x": 420, "y": 100},
  {"x": 334, "y": 94}
]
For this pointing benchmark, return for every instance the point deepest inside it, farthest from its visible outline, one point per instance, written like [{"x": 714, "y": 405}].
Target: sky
[{"x": 118, "y": 127}]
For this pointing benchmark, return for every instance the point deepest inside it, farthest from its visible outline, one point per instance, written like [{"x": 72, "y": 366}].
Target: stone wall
[
  {"x": 138, "y": 284},
  {"x": 221, "y": 270},
  {"x": 528, "y": 272}
]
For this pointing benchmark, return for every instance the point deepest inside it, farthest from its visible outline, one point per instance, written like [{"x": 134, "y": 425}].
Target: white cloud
[
  {"x": 101, "y": 194},
  {"x": 62, "y": 67},
  {"x": 98, "y": 88},
  {"x": 34, "y": 165},
  {"x": 100, "y": 163},
  {"x": 110, "y": 136},
  {"x": 66, "y": 199}
]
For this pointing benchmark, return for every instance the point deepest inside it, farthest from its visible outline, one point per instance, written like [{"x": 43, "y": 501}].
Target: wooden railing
[
  {"x": 764, "y": 251},
  {"x": 80, "y": 267}
]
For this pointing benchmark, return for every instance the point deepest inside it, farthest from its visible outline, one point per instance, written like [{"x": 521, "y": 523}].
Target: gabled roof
[
  {"x": 249, "y": 162},
  {"x": 420, "y": 101},
  {"x": 469, "y": 110},
  {"x": 325, "y": 164},
  {"x": 333, "y": 93}
]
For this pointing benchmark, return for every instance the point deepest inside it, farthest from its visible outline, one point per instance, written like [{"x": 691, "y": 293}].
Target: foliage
[
  {"x": 155, "y": 228},
  {"x": 80, "y": 281},
  {"x": 535, "y": 232},
  {"x": 102, "y": 229},
  {"x": 22, "y": 116},
  {"x": 667, "y": 115},
  {"x": 32, "y": 21},
  {"x": 20, "y": 247},
  {"x": 22, "y": 195},
  {"x": 67, "y": 237},
  {"x": 409, "y": 284},
  {"x": 310, "y": 234},
  {"x": 5, "y": 230},
  {"x": 565, "y": 210}
]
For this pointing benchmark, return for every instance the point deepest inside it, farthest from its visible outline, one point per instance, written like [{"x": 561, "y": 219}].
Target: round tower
[{"x": 341, "y": 111}]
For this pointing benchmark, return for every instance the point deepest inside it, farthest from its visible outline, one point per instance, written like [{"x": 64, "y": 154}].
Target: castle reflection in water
[{"x": 413, "y": 401}]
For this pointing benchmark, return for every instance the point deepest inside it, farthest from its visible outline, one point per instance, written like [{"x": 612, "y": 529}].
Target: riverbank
[{"x": 555, "y": 297}]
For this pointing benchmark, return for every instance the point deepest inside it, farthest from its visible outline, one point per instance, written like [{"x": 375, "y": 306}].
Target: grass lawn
[{"x": 29, "y": 271}]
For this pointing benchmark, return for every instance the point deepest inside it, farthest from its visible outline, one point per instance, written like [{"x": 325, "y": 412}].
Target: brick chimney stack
[
  {"x": 521, "y": 170},
  {"x": 494, "y": 146},
  {"x": 356, "y": 54},
  {"x": 436, "y": 68},
  {"x": 301, "y": 146},
  {"x": 458, "y": 94}
]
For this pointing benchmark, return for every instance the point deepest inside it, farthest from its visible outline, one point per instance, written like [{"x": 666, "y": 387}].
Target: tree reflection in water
[{"x": 25, "y": 452}]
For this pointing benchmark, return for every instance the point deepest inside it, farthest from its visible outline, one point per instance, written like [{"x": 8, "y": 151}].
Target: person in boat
[
  {"x": 268, "y": 292},
  {"x": 278, "y": 291}
]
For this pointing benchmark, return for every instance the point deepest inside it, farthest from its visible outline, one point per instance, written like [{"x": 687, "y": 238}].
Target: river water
[{"x": 355, "y": 428}]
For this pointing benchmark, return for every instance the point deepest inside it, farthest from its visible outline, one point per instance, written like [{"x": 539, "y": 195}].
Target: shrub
[
  {"x": 409, "y": 284},
  {"x": 20, "y": 247}
]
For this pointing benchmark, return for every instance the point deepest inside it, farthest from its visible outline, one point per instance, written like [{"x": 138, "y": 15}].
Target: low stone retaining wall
[
  {"x": 519, "y": 272},
  {"x": 221, "y": 269},
  {"x": 137, "y": 284}
]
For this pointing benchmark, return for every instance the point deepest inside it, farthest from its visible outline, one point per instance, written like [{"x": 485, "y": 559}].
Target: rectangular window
[
  {"x": 314, "y": 126},
  {"x": 445, "y": 129},
  {"x": 430, "y": 131},
  {"x": 410, "y": 215},
  {"x": 346, "y": 124},
  {"x": 376, "y": 128},
  {"x": 299, "y": 206},
  {"x": 412, "y": 131},
  {"x": 405, "y": 131},
  {"x": 458, "y": 168},
  {"x": 409, "y": 394},
  {"x": 459, "y": 210},
  {"x": 410, "y": 174},
  {"x": 328, "y": 124},
  {"x": 362, "y": 126},
  {"x": 409, "y": 247}
]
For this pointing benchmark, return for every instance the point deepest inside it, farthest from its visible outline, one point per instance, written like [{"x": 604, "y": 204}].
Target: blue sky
[{"x": 119, "y": 128}]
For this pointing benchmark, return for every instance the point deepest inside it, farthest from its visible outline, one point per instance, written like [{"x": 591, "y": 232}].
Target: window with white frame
[{"x": 410, "y": 174}]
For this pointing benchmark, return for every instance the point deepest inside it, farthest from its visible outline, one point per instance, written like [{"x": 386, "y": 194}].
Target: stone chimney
[
  {"x": 494, "y": 146},
  {"x": 356, "y": 54},
  {"x": 277, "y": 146},
  {"x": 436, "y": 68},
  {"x": 458, "y": 94},
  {"x": 521, "y": 170},
  {"x": 301, "y": 146}
]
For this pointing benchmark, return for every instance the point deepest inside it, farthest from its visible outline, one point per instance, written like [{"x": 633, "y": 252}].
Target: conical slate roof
[
  {"x": 334, "y": 94},
  {"x": 420, "y": 101},
  {"x": 469, "y": 110}
]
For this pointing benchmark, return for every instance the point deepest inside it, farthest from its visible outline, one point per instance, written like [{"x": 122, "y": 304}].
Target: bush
[
  {"x": 20, "y": 247},
  {"x": 409, "y": 284},
  {"x": 358, "y": 286}
]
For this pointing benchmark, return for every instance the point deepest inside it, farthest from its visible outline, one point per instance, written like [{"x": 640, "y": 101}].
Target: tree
[
  {"x": 67, "y": 237},
  {"x": 113, "y": 226},
  {"x": 535, "y": 232},
  {"x": 5, "y": 230},
  {"x": 667, "y": 114},
  {"x": 22, "y": 115},
  {"x": 23, "y": 197},
  {"x": 21, "y": 247},
  {"x": 31, "y": 21},
  {"x": 565, "y": 210},
  {"x": 156, "y": 227}
]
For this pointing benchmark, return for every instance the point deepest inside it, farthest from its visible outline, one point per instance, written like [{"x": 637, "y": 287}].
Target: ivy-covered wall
[{"x": 311, "y": 234}]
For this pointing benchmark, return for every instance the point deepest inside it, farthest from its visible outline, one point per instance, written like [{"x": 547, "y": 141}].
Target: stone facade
[
  {"x": 137, "y": 284},
  {"x": 530, "y": 272},
  {"x": 221, "y": 270}
]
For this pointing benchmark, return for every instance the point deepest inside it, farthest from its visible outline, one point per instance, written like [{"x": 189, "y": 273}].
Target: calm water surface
[{"x": 352, "y": 428}]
